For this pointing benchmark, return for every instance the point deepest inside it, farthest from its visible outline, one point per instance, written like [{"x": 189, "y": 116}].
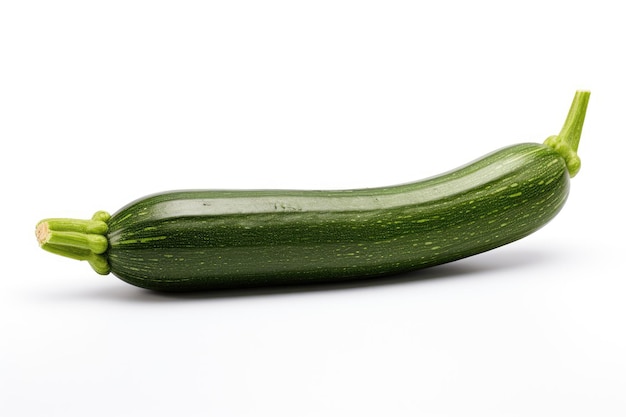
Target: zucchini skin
[{"x": 218, "y": 239}]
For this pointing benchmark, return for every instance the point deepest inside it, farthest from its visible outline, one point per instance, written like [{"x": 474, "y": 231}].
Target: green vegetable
[{"x": 195, "y": 240}]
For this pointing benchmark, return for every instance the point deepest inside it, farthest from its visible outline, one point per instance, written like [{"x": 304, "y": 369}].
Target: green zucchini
[{"x": 198, "y": 240}]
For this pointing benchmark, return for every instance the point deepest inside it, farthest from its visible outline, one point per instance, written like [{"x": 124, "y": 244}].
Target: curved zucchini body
[
  {"x": 191, "y": 240},
  {"x": 211, "y": 239}
]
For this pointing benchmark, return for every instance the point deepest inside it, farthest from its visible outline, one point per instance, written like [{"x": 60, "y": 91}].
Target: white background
[{"x": 104, "y": 102}]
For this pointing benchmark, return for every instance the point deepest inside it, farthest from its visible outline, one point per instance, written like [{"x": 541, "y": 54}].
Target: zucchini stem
[
  {"x": 83, "y": 240},
  {"x": 566, "y": 142}
]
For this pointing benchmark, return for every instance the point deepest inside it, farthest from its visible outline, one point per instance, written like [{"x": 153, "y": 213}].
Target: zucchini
[{"x": 199, "y": 240}]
